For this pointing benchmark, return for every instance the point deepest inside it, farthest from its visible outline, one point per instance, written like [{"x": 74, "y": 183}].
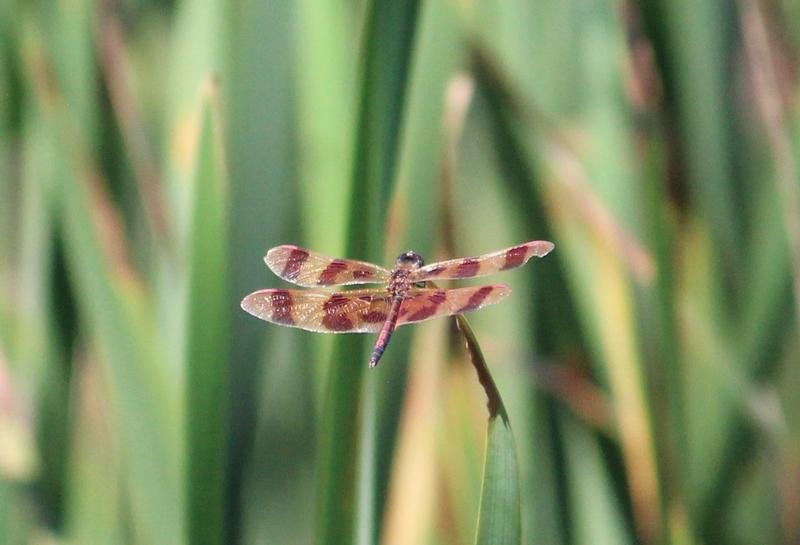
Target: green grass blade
[
  {"x": 209, "y": 307},
  {"x": 764, "y": 329},
  {"x": 263, "y": 213},
  {"x": 14, "y": 521},
  {"x": 698, "y": 80},
  {"x": 544, "y": 513},
  {"x": 95, "y": 488},
  {"x": 499, "y": 512},
  {"x": 412, "y": 215},
  {"x": 325, "y": 94},
  {"x": 114, "y": 308},
  {"x": 499, "y": 517},
  {"x": 604, "y": 189},
  {"x": 347, "y": 482},
  {"x": 36, "y": 348},
  {"x": 148, "y": 418},
  {"x": 647, "y": 366},
  {"x": 597, "y": 519}
]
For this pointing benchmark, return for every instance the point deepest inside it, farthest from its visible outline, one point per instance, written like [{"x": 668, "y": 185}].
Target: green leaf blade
[
  {"x": 207, "y": 339},
  {"x": 346, "y": 510},
  {"x": 499, "y": 516}
]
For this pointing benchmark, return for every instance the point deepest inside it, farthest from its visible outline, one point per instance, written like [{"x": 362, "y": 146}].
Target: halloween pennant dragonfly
[{"x": 404, "y": 299}]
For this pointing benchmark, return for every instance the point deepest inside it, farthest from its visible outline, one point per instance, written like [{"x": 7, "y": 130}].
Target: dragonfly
[{"x": 406, "y": 297}]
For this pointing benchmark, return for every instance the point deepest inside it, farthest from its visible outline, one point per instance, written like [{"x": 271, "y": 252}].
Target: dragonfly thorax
[
  {"x": 398, "y": 284},
  {"x": 404, "y": 265}
]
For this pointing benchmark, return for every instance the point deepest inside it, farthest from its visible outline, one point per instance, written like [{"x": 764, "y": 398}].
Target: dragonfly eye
[{"x": 410, "y": 258}]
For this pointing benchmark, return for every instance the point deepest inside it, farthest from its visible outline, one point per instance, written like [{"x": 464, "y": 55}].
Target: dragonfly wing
[
  {"x": 423, "y": 304},
  {"x": 468, "y": 267},
  {"x": 309, "y": 269},
  {"x": 357, "y": 311}
]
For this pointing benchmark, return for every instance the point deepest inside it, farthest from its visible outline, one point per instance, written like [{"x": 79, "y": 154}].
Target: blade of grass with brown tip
[{"x": 499, "y": 513}]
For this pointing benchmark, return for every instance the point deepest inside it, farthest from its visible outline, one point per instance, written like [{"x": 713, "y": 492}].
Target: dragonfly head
[{"x": 409, "y": 260}]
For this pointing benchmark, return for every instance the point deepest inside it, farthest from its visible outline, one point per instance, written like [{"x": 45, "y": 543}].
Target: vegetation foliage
[{"x": 642, "y": 379}]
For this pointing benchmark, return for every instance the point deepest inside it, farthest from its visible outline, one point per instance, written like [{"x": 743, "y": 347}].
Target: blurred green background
[{"x": 151, "y": 151}]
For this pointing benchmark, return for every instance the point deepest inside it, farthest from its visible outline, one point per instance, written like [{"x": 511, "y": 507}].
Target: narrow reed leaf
[
  {"x": 15, "y": 523},
  {"x": 207, "y": 333},
  {"x": 597, "y": 517},
  {"x": 114, "y": 308},
  {"x": 699, "y": 78},
  {"x": 37, "y": 347},
  {"x": 590, "y": 195},
  {"x": 411, "y": 216},
  {"x": 499, "y": 514},
  {"x": 544, "y": 515},
  {"x": 347, "y": 482},
  {"x": 325, "y": 95},
  {"x": 261, "y": 137},
  {"x": 95, "y": 493},
  {"x": 648, "y": 367}
]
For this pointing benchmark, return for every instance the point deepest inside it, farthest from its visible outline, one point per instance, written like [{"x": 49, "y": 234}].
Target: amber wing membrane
[
  {"x": 357, "y": 311},
  {"x": 306, "y": 268},
  {"x": 426, "y": 303},
  {"x": 468, "y": 267}
]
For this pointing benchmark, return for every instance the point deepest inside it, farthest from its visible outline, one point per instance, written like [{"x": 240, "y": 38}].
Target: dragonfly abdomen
[{"x": 386, "y": 331}]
